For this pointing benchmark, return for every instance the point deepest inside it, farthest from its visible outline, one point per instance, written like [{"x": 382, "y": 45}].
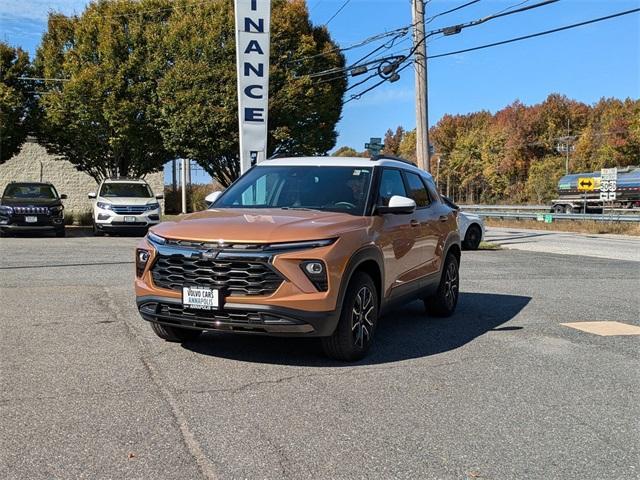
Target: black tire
[
  {"x": 568, "y": 209},
  {"x": 473, "y": 237},
  {"x": 354, "y": 333},
  {"x": 557, "y": 209},
  {"x": 174, "y": 334},
  {"x": 61, "y": 233},
  {"x": 444, "y": 302},
  {"x": 96, "y": 231}
]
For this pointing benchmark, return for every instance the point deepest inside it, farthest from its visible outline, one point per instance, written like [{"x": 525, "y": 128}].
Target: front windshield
[
  {"x": 330, "y": 188},
  {"x": 27, "y": 191},
  {"x": 120, "y": 189}
]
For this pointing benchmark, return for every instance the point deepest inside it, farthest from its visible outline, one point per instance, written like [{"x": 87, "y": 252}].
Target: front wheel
[
  {"x": 175, "y": 334},
  {"x": 61, "y": 233},
  {"x": 96, "y": 231},
  {"x": 444, "y": 302},
  {"x": 353, "y": 336}
]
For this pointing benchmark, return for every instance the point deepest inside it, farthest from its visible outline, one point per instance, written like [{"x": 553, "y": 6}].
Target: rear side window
[
  {"x": 390, "y": 184},
  {"x": 417, "y": 190}
]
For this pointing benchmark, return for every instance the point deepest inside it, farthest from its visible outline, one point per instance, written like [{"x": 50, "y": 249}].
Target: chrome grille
[
  {"x": 129, "y": 209},
  {"x": 31, "y": 210},
  {"x": 235, "y": 276}
]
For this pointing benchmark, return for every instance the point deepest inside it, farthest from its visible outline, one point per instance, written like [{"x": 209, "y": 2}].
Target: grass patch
[
  {"x": 489, "y": 246},
  {"x": 577, "y": 226}
]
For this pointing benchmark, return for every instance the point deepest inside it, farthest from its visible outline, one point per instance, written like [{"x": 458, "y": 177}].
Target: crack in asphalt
[{"x": 205, "y": 466}]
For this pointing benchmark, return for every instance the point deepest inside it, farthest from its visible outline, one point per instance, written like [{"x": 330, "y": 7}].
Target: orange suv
[{"x": 316, "y": 246}]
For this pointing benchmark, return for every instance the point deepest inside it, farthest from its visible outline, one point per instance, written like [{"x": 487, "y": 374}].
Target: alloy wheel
[
  {"x": 451, "y": 284},
  {"x": 362, "y": 317}
]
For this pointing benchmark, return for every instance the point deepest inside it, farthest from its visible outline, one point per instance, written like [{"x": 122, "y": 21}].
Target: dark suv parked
[{"x": 31, "y": 207}]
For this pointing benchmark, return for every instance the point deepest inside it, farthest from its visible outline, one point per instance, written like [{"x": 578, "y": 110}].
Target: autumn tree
[
  {"x": 15, "y": 100},
  {"x": 198, "y": 90},
  {"x": 105, "y": 117},
  {"x": 392, "y": 141}
]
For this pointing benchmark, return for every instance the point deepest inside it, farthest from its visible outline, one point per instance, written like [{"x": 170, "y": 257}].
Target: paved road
[
  {"x": 500, "y": 391},
  {"x": 616, "y": 247}
]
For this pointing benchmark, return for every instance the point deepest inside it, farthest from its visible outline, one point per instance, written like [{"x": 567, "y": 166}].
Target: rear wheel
[
  {"x": 444, "y": 302},
  {"x": 61, "y": 233},
  {"x": 175, "y": 334},
  {"x": 472, "y": 238},
  {"x": 353, "y": 336},
  {"x": 568, "y": 209}
]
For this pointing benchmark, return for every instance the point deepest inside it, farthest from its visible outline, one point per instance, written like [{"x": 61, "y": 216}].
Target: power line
[
  {"x": 539, "y": 34},
  {"x": 432, "y": 18},
  {"x": 337, "y": 12}
]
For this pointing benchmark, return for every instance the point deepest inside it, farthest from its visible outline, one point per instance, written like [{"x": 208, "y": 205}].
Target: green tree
[
  {"x": 345, "y": 152},
  {"x": 542, "y": 183},
  {"x": 104, "y": 118},
  {"x": 15, "y": 100},
  {"x": 198, "y": 90}
]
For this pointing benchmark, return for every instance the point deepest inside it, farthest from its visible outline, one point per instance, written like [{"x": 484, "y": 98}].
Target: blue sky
[{"x": 586, "y": 63}]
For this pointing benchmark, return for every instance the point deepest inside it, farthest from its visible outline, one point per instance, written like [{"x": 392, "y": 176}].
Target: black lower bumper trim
[{"x": 239, "y": 318}]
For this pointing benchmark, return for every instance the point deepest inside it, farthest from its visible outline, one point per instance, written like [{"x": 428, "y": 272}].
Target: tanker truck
[{"x": 573, "y": 200}]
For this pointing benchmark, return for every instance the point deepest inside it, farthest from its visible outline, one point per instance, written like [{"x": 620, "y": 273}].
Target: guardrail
[
  {"x": 536, "y": 208},
  {"x": 560, "y": 216}
]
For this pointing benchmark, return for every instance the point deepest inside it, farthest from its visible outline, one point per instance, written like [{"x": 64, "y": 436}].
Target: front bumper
[
  {"x": 17, "y": 223},
  {"x": 239, "y": 318},
  {"x": 105, "y": 220}
]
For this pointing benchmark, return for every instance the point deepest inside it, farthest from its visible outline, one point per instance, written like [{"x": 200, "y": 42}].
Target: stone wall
[{"x": 34, "y": 164}]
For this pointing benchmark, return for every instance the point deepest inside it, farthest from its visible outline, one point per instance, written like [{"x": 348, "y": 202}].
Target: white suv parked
[{"x": 124, "y": 204}]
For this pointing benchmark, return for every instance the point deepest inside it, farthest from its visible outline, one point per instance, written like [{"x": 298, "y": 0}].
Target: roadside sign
[
  {"x": 374, "y": 146},
  {"x": 540, "y": 217},
  {"x": 586, "y": 184},
  {"x": 548, "y": 218},
  {"x": 608, "y": 183}
]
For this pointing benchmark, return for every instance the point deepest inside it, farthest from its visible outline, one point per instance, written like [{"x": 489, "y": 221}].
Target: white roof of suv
[
  {"x": 343, "y": 162},
  {"x": 124, "y": 180}
]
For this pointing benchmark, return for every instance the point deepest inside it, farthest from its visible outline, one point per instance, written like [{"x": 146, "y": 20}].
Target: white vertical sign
[
  {"x": 608, "y": 183},
  {"x": 253, "y": 19}
]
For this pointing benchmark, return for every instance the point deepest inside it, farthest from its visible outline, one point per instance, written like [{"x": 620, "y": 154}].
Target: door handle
[
  {"x": 414, "y": 223},
  {"x": 443, "y": 218}
]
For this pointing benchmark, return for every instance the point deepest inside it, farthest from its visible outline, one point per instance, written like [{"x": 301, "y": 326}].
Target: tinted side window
[
  {"x": 417, "y": 190},
  {"x": 390, "y": 184}
]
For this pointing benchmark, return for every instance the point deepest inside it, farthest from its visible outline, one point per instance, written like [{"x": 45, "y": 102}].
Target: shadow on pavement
[{"x": 402, "y": 334}]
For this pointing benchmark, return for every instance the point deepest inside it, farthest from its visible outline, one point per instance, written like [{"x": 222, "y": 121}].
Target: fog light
[
  {"x": 316, "y": 272},
  {"x": 142, "y": 257},
  {"x": 103, "y": 216}
]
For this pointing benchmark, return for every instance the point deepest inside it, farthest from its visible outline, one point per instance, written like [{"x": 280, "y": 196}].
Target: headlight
[
  {"x": 56, "y": 210},
  {"x": 153, "y": 206},
  {"x": 6, "y": 210},
  {"x": 142, "y": 257},
  {"x": 153, "y": 238},
  {"x": 301, "y": 245},
  {"x": 103, "y": 205}
]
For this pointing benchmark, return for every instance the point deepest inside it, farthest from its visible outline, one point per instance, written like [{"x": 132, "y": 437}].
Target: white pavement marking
[{"x": 615, "y": 247}]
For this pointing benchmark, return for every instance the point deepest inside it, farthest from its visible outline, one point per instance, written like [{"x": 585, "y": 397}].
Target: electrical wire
[
  {"x": 539, "y": 34},
  {"x": 432, "y": 18},
  {"x": 337, "y": 12}
]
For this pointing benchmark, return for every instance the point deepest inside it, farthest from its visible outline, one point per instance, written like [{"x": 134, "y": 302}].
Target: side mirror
[
  {"x": 398, "y": 205},
  {"x": 159, "y": 197},
  {"x": 92, "y": 195},
  {"x": 212, "y": 197},
  {"x": 63, "y": 196}
]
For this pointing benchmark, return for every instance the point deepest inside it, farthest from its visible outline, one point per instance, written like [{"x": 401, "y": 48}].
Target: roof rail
[
  {"x": 125, "y": 178},
  {"x": 391, "y": 157}
]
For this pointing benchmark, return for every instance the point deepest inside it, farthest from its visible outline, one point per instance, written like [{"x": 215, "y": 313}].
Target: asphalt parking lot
[{"x": 500, "y": 391}]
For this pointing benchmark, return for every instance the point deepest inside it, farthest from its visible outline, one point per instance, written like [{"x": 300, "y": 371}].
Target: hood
[
  {"x": 259, "y": 225},
  {"x": 127, "y": 200},
  {"x": 27, "y": 202}
]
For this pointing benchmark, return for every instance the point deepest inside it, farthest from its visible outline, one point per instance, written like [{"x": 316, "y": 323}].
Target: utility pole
[{"x": 422, "y": 101}]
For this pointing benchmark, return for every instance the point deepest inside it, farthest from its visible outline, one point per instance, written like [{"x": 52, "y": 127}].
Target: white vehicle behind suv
[{"x": 124, "y": 204}]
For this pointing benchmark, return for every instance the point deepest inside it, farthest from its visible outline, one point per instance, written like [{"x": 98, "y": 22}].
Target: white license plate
[
  {"x": 200, "y": 298},
  {"x": 130, "y": 219},
  {"x": 31, "y": 219}
]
